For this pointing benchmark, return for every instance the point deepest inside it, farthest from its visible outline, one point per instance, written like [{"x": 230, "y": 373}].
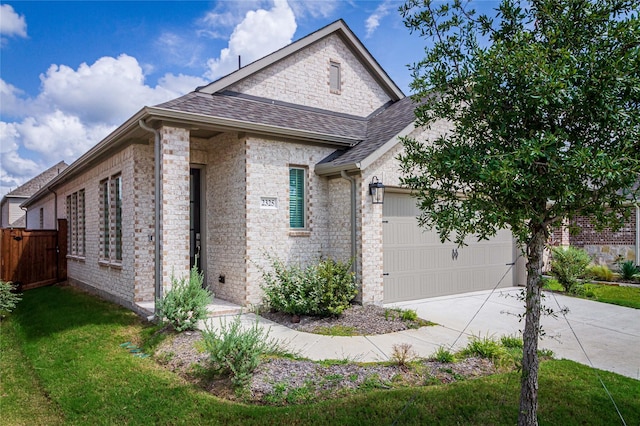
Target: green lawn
[
  {"x": 62, "y": 363},
  {"x": 615, "y": 294}
]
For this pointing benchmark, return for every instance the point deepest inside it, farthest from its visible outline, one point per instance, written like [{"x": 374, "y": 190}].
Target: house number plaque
[{"x": 268, "y": 203}]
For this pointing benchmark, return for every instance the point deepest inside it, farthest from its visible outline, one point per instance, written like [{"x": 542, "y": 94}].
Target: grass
[
  {"x": 336, "y": 330},
  {"x": 62, "y": 364},
  {"x": 613, "y": 294}
]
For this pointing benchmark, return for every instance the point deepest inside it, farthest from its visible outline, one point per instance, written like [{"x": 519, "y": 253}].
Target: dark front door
[{"x": 195, "y": 229}]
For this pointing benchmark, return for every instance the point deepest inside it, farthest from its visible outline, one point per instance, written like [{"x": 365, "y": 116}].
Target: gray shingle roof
[
  {"x": 371, "y": 132},
  {"x": 32, "y": 186},
  {"x": 268, "y": 112},
  {"x": 380, "y": 129}
]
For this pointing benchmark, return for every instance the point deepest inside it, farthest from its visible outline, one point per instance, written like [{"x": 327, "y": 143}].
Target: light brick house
[{"x": 274, "y": 159}]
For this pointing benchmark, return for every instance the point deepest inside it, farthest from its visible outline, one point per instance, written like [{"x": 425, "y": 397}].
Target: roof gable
[{"x": 336, "y": 30}]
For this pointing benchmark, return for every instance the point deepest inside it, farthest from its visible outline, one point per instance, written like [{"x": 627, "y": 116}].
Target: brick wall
[
  {"x": 113, "y": 279},
  {"x": 174, "y": 216},
  {"x": 303, "y": 78},
  {"x": 47, "y": 204},
  {"x": 226, "y": 216},
  {"x": 606, "y": 246},
  {"x": 268, "y": 231}
]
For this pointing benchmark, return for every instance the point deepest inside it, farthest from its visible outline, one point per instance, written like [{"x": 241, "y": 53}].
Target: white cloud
[
  {"x": 314, "y": 8},
  {"x": 12, "y": 24},
  {"x": 75, "y": 110},
  {"x": 261, "y": 32},
  {"x": 373, "y": 21},
  {"x": 11, "y": 105}
]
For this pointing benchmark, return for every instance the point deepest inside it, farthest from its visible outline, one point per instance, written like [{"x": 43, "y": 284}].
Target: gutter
[
  {"x": 353, "y": 221},
  {"x": 156, "y": 152}
]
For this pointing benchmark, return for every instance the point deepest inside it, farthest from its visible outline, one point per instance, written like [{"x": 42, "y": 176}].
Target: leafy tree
[{"x": 543, "y": 103}]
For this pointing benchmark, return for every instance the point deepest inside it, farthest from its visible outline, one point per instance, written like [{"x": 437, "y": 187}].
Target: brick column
[
  {"x": 174, "y": 196},
  {"x": 370, "y": 242}
]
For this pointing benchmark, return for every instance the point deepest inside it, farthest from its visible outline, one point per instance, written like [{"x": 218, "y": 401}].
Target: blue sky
[{"x": 71, "y": 72}]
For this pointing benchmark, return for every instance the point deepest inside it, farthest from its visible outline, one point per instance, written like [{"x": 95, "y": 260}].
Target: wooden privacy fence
[{"x": 34, "y": 258}]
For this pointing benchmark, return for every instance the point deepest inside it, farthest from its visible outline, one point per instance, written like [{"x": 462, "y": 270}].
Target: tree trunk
[{"x": 529, "y": 381}]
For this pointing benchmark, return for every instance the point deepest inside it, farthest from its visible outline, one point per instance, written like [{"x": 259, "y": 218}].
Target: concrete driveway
[{"x": 609, "y": 334}]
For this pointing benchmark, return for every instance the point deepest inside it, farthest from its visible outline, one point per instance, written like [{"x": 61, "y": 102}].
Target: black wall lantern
[{"x": 376, "y": 189}]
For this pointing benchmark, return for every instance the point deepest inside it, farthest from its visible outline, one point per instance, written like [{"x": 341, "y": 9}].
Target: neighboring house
[
  {"x": 274, "y": 159},
  {"x": 11, "y": 213},
  {"x": 605, "y": 246}
]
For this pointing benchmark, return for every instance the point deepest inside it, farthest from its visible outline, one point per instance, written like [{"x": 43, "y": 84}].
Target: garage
[{"x": 417, "y": 265}]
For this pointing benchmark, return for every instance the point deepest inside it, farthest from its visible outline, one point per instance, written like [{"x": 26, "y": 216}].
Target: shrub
[
  {"x": 601, "y": 272},
  {"x": 186, "y": 303},
  {"x": 569, "y": 265},
  {"x": 236, "y": 350},
  {"x": 443, "y": 355},
  {"x": 8, "y": 299},
  {"x": 484, "y": 348},
  {"x": 402, "y": 354},
  {"x": 322, "y": 289},
  {"x": 512, "y": 342},
  {"x": 628, "y": 270}
]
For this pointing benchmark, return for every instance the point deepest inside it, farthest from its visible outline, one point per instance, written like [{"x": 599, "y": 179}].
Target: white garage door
[{"x": 417, "y": 265}]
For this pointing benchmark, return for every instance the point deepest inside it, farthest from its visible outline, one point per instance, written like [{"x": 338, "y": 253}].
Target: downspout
[
  {"x": 26, "y": 217},
  {"x": 353, "y": 220},
  {"x": 55, "y": 207},
  {"x": 156, "y": 150}
]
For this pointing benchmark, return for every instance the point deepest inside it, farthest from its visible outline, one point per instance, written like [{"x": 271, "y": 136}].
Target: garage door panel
[{"x": 419, "y": 265}]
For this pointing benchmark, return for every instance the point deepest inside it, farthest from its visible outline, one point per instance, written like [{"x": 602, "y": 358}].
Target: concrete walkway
[{"x": 609, "y": 334}]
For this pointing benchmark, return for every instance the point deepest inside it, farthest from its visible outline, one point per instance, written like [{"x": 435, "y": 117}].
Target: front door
[{"x": 195, "y": 225}]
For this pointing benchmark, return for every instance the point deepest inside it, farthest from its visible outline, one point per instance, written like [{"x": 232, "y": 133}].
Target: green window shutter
[{"x": 296, "y": 198}]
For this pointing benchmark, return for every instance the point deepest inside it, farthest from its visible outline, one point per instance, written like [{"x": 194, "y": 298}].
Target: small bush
[
  {"x": 569, "y": 266},
  {"x": 402, "y": 354},
  {"x": 485, "y": 347},
  {"x": 601, "y": 272},
  {"x": 186, "y": 303},
  {"x": 236, "y": 350},
  {"x": 8, "y": 299},
  {"x": 323, "y": 289},
  {"x": 584, "y": 290},
  {"x": 444, "y": 355},
  {"x": 512, "y": 342},
  {"x": 628, "y": 270}
]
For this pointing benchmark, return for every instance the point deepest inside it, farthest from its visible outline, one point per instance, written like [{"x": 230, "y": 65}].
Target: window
[
  {"x": 104, "y": 220},
  {"x": 117, "y": 204},
  {"x": 297, "y": 213},
  {"x": 41, "y": 218},
  {"x": 335, "y": 84},
  {"x": 111, "y": 219},
  {"x": 75, "y": 227}
]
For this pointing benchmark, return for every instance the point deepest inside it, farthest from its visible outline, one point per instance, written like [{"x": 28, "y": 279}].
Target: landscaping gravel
[{"x": 283, "y": 380}]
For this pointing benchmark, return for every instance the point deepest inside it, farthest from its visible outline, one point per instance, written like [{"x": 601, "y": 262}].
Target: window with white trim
[{"x": 297, "y": 198}]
